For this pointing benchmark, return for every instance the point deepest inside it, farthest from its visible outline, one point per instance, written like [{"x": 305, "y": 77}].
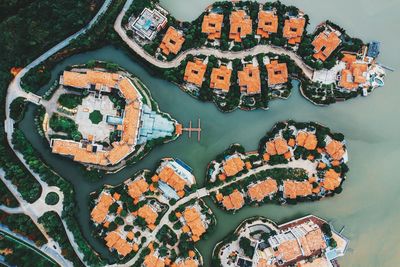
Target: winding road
[{"x": 204, "y": 50}]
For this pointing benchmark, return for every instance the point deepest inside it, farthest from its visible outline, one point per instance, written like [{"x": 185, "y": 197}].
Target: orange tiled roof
[
  {"x": 233, "y": 201},
  {"x": 115, "y": 241},
  {"x": 100, "y": 211},
  {"x": 293, "y": 29},
  {"x": 212, "y": 25},
  {"x": 152, "y": 261},
  {"x": 130, "y": 123},
  {"x": 332, "y": 180},
  {"x": 193, "y": 220},
  {"x": 289, "y": 250},
  {"x": 187, "y": 263},
  {"x": 241, "y": 25},
  {"x": 233, "y": 165},
  {"x": 168, "y": 176},
  {"x": 137, "y": 188},
  {"x": 293, "y": 189},
  {"x": 221, "y": 78},
  {"x": 249, "y": 79},
  {"x": 261, "y": 190},
  {"x": 147, "y": 213},
  {"x": 313, "y": 241},
  {"x": 194, "y": 72},
  {"x": 278, "y": 146},
  {"x": 335, "y": 150},
  {"x": 352, "y": 77},
  {"x": 127, "y": 89},
  {"x": 307, "y": 140},
  {"x": 172, "y": 41},
  {"x": 324, "y": 44},
  {"x": 277, "y": 73},
  {"x": 267, "y": 23},
  {"x": 349, "y": 59},
  {"x": 91, "y": 77}
]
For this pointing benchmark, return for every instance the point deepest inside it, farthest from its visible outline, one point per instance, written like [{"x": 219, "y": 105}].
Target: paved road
[{"x": 204, "y": 50}]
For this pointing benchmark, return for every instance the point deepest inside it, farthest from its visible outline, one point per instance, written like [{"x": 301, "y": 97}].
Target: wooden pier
[{"x": 194, "y": 129}]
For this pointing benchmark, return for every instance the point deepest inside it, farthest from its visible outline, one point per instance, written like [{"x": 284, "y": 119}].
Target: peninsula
[
  {"x": 245, "y": 54},
  {"x": 102, "y": 117}
]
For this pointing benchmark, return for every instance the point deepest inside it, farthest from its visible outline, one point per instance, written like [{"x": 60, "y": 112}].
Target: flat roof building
[
  {"x": 149, "y": 23},
  {"x": 212, "y": 25},
  {"x": 241, "y": 25},
  {"x": 172, "y": 41}
]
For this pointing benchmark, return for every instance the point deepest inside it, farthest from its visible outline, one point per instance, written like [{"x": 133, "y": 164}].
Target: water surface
[{"x": 368, "y": 205}]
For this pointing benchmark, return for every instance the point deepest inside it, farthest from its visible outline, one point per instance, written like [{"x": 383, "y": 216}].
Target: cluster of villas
[
  {"x": 146, "y": 197},
  {"x": 359, "y": 72},
  {"x": 303, "y": 242},
  {"x": 135, "y": 124},
  {"x": 322, "y": 168}
]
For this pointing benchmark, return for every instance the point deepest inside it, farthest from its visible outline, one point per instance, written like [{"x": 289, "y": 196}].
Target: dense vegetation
[
  {"x": 6, "y": 197},
  {"x": 66, "y": 125},
  {"x": 52, "y": 198},
  {"x": 23, "y": 225},
  {"x": 53, "y": 225},
  {"x": 22, "y": 255},
  {"x": 17, "y": 108}
]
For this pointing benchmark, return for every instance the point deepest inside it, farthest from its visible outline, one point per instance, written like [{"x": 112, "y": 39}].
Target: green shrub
[{"x": 95, "y": 117}]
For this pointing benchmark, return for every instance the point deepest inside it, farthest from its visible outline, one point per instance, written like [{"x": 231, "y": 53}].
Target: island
[
  {"x": 103, "y": 117},
  {"x": 294, "y": 162},
  {"x": 158, "y": 216},
  {"x": 244, "y": 54},
  {"x": 308, "y": 241}
]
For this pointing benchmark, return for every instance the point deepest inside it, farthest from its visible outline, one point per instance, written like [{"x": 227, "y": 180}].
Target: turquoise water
[{"x": 368, "y": 204}]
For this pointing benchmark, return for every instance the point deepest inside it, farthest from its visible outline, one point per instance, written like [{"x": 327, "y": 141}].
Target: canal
[{"x": 367, "y": 207}]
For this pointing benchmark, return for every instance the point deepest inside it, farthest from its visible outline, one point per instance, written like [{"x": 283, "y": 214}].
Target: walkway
[{"x": 204, "y": 50}]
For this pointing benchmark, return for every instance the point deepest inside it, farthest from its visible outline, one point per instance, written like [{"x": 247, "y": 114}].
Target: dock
[{"x": 191, "y": 129}]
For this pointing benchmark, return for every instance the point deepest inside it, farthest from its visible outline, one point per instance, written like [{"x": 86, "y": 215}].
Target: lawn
[{"x": 63, "y": 124}]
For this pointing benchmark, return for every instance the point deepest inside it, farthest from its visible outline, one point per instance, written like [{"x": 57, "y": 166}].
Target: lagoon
[{"x": 368, "y": 205}]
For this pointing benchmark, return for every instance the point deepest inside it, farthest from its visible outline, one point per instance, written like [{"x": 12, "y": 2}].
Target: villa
[
  {"x": 172, "y": 177},
  {"x": 193, "y": 222},
  {"x": 194, "y": 72},
  {"x": 262, "y": 189},
  {"x": 325, "y": 43},
  {"x": 293, "y": 29},
  {"x": 149, "y": 23},
  {"x": 241, "y": 25},
  {"x": 249, "y": 80},
  {"x": 233, "y": 165},
  {"x": 221, "y": 79},
  {"x": 277, "y": 73},
  {"x": 233, "y": 201},
  {"x": 294, "y": 189},
  {"x": 267, "y": 23},
  {"x": 212, "y": 25},
  {"x": 172, "y": 42}
]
